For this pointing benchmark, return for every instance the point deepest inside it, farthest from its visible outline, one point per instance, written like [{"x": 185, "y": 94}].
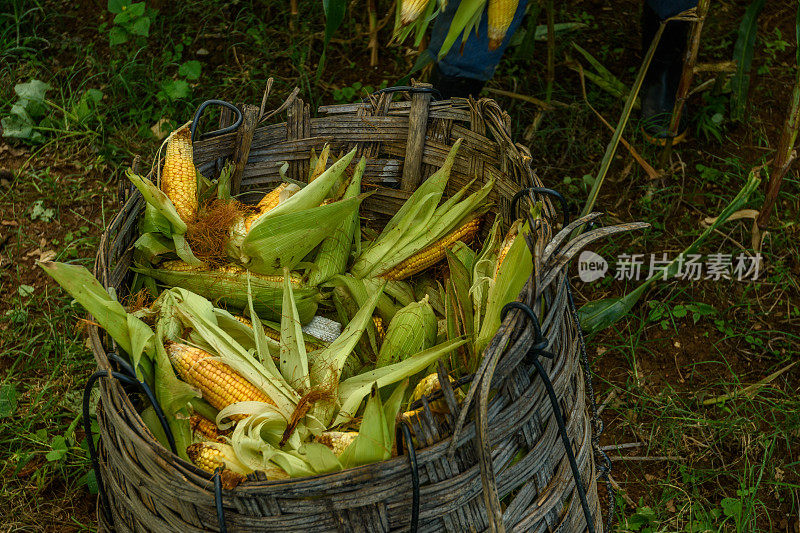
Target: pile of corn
[
  {"x": 415, "y": 16},
  {"x": 297, "y": 353}
]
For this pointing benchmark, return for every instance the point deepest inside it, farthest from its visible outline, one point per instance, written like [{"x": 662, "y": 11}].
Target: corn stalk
[{"x": 689, "y": 61}]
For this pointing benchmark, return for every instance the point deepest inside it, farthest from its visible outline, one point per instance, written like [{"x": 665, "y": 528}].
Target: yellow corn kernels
[
  {"x": 499, "y": 17},
  {"x": 337, "y": 441},
  {"x": 434, "y": 253},
  {"x": 178, "y": 177},
  {"x": 410, "y": 10},
  {"x": 219, "y": 384}
]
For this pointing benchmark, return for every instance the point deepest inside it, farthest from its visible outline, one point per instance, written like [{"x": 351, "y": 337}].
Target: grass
[{"x": 737, "y": 467}]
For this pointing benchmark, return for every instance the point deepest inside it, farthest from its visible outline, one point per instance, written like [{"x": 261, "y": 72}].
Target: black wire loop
[
  {"x": 87, "y": 425},
  {"x": 405, "y": 431},
  {"x": 409, "y": 89},
  {"x": 216, "y": 133},
  {"x": 534, "y": 354},
  {"x": 218, "y": 500},
  {"x": 540, "y": 342},
  {"x": 542, "y": 190},
  {"x": 162, "y": 419}
]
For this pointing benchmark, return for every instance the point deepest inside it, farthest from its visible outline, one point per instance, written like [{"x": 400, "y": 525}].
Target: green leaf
[
  {"x": 160, "y": 201},
  {"x": 31, "y": 97},
  {"x": 743, "y": 55},
  {"x": 129, "y": 13},
  {"x": 8, "y": 400},
  {"x": 596, "y": 316},
  {"x": 116, "y": 6},
  {"x": 284, "y": 240},
  {"x": 117, "y": 35},
  {"x": 373, "y": 443},
  {"x": 108, "y": 312},
  {"x": 18, "y": 125},
  {"x": 190, "y": 70},
  {"x": 353, "y": 390},
  {"x": 334, "y": 15},
  {"x": 59, "y": 449},
  {"x": 85, "y": 107},
  {"x": 293, "y": 358},
  {"x": 176, "y": 89},
  {"x": 140, "y": 26}
]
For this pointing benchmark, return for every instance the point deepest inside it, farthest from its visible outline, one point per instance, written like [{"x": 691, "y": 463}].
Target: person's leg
[
  {"x": 465, "y": 69},
  {"x": 661, "y": 81}
]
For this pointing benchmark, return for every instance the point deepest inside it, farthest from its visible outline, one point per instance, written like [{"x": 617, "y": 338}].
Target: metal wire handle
[
  {"x": 216, "y": 133},
  {"x": 533, "y": 358},
  {"x": 223, "y": 528},
  {"x": 405, "y": 431},
  {"x": 542, "y": 190},
  {"x": 87, "y": 425}
]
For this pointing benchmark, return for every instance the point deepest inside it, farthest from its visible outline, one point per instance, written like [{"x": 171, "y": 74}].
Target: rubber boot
[
  {"x": 660, "y": 84},
  {"x": 455, "y": 87}
]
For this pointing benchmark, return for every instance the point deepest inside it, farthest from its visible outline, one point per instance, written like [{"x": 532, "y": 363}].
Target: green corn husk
[
  {"x": 230, "y": 289},
  {"x": 412, "y": 330},
  {"x": 335, "y": 250},
  {"x": 511, "y": 277}
]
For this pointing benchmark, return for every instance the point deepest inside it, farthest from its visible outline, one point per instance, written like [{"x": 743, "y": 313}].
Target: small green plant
[
  {"x": 643, "y": 520},
  {"x": 665, "y": 315},
  {"x": 131, "y": 21},
  {"x": 712, "y": 116},
  {"x": 26, "y": 112},
  {"x": 772, "y": 47},
  {"x": 357, "y": 89}
]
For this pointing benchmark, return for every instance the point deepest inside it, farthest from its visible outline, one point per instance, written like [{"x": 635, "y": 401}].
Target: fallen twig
[{"x": 750, "y": 390}]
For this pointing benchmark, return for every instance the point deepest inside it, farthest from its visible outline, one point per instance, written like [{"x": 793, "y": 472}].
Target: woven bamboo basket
[{"x": 507, "y": 467}]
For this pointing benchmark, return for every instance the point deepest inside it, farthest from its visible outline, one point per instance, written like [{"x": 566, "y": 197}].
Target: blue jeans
[{"x": 477, "y": 62}]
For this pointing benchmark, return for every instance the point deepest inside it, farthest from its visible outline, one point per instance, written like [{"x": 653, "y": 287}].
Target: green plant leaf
[
  {"x": 140, "y": 26},
  {"x": 31, "y": 97},
  {"x": 116, "y": 6},
  {"x": 334, "y": 15},
  {"x": 8, "y": 400},
  {"x": 743, "y": 55},
  {"x": 117, "y": 35},
  {"x": 190, "y": 70},
  {"x": 176, "y": 89}
]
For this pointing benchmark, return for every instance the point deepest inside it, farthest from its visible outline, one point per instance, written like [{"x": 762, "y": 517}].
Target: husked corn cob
[
  {"x": 427, "y": 386},
  {"x": 499, "y": 17},
  {"x": 410, "y": 10},
  {"x": 205, "y": 429},
  {"x": 219, "y": 384},
  {"x": 434, "y": 253},
  {"x": 337, "y": 441},
  {"x": 209, "y": 456},
  {"x": 270, "y": 201},
  {"x": 178, "y": 177},
  {"x": 234, "y": 270}
]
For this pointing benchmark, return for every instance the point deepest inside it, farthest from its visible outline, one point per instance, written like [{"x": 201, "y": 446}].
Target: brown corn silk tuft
[{"x": 209, "y": 234}]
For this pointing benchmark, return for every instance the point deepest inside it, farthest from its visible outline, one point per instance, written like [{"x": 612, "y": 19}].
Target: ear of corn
[
  {"x": 337, "y": 441},
  {"x": 410, "y": 10},
  {"x": 178, "y": 178},
  {"x": 270, "y": 201},
  {"x": 499, "y": 17},
  {"x": 335, "y": 250},
  {"x": 228, "y": 285},
  {"x": 412, "y": 330},
  {"x": 434, "y": 253},
  {"x": 209, "y": 456},
  {"x": 205, "y": 429},
  {"x": 506, "y": 246},
  {"x": 219, "y": 384}
]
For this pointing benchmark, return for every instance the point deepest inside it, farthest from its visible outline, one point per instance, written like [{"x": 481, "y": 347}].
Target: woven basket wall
[{"x": 150, "y": 489}]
